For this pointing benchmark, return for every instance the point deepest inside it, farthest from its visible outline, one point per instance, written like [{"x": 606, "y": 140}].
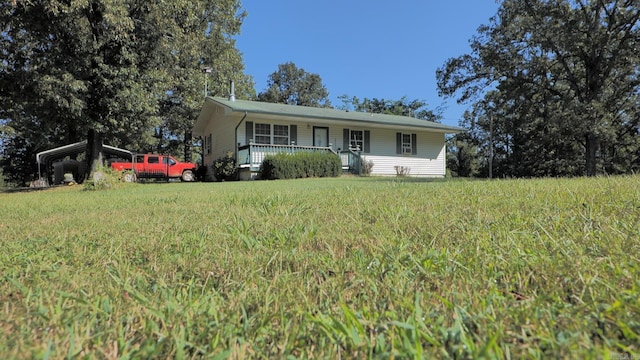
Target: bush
[
  {"x": 225, "y": 168},
  {"x": 367, "y": 167},
  {"x": 104, "y": 178},
  {"x": 300, "y": 165},
  {"x": 402, "y": 171}
]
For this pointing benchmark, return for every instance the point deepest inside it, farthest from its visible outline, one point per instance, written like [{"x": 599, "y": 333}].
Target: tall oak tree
[
  {"x": 108, "y": 66},
  {"x": 564, "y": 73}
]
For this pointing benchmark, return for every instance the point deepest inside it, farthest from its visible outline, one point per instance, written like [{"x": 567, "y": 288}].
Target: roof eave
[
  {"x": 203, "y": 117},
  {"x": 438, "y": 128}
]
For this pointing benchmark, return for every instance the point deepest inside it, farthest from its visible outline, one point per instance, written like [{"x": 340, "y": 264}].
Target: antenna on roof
[{"x": 232, "y": 95}]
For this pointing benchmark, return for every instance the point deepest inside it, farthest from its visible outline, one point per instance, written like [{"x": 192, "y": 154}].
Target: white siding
[
  {"x": 429, "y": 160},
  {"x": 221, "y": 129},
  {"x": 305, "y": 135},
  {"x": 385, "y": 165}
]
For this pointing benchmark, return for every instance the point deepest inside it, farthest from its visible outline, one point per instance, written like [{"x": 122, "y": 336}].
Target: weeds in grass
[{"x": 104, "y": 178}]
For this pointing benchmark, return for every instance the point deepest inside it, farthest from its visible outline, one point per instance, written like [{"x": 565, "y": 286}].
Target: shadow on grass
[{"x": 29, "y": 189}]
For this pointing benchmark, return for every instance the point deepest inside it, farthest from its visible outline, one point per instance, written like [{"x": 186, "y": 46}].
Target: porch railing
[
  {"x": 252, "y": 155},
  {"x": 351, "y": 161}
]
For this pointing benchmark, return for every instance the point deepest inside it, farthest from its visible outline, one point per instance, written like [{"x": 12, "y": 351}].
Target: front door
[{"x": 320, "y": 136}]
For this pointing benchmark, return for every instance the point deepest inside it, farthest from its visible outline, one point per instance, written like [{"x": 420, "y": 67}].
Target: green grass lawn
[{"x": 323, "y": 268}]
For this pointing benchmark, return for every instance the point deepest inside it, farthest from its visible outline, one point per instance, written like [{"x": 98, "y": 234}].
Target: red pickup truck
[{"x": 156, "y": 166}]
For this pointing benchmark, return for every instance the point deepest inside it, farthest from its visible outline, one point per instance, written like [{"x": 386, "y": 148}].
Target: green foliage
[
  {"x": 564, "y": 87},
  {"x": 403, "y": 107},
  {"x": 105, "y": 178},
  {"x": 18, "y": 162},
  {"x": 225, "y": 168},
  {"x": 300, "y": 165},
  {"x": 294, "y": 86},
  {"x": 463, "y": 157},
  {"x": 328, "y": 268},
  {"x": 129, "y": 70},
  {"x": 201, "y": 48}
]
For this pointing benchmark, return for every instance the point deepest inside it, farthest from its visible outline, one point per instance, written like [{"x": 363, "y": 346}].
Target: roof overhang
[
  {"x": 315, "y": 115},
  {"x": 47, "y": 156},
  {"x": 201, "y": 123},
  {"x": 373, "y": 123}
]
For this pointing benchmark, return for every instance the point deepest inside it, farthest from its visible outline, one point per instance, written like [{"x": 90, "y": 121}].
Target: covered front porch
[{"x": 250, "y": 157}]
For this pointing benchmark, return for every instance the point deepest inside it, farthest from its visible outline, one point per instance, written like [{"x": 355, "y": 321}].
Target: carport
[{"x": 46, "y": 159}]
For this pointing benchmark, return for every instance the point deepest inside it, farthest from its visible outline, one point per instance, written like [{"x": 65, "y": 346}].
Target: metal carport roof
[{"x": 47, "y": 156}]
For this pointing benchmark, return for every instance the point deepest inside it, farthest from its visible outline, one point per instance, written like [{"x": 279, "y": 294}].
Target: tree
[
  {"x": 463, "y": 156},
  {"x": 568, "y": 71},
  {"x": 203, "y": 67},
  {"x": 71, "y": 67},
  {"x": 403, "y": 107},
  {"x": 294, "y": 86}
]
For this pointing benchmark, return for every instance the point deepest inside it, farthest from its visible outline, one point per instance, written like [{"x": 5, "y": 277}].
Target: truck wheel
[
  {"x": 129, "y": 177},
  {"x": 187, "y": 175}
]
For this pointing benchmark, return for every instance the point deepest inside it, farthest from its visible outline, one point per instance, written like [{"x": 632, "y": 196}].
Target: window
[
  {"x": 271, "y": 134},
  {"x": 281, "y": 134},
  {"x": 406, "y": 144},
  {"x": 407, "y": 147},
  {"x": 263, "y": 134},
  {"x": 153, "y": 160},
  {"x": 360, "y": 139},
  {"x": 356, "y": 139},
  {"x": 207, "y": 144},
  {"x": 167, "y": 160}
]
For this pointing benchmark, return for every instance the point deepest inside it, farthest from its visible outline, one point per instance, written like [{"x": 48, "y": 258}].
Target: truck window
[
  {"x": 139, "y": 158},
  {"x": 153, "y": 160},
  {"x": 168, "y": 160}
]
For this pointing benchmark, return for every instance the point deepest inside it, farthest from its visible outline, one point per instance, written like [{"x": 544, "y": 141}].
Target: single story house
[{"x": 250, "y": 130}]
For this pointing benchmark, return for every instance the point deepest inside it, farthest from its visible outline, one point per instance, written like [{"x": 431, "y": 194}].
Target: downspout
[{"x": 235, "y": 138}]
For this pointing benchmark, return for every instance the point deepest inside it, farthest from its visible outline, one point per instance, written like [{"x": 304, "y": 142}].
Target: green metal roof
[{"x": 257, "y": 107}]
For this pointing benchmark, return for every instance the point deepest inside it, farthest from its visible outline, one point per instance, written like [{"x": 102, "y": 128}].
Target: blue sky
[{"x": 373, "y": 49}]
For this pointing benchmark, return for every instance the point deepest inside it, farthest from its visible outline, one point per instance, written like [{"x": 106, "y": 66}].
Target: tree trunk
[
  {"x": 160, "y": 136},
  {"x": 188, "y": 148},
  {"x": 94, "y": 153},
  {"x": 591, "y": 151}
]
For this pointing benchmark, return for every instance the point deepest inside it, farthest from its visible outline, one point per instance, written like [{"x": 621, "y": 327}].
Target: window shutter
[
  {"x": 345, "y": 139},
  {"x": 367, "y": 136},
  {"x": 293, "y": 133},
  {"x": 248, "y": 132},
  {"x": 398, "y": 143},
  {"x": 414, "y": 144}
]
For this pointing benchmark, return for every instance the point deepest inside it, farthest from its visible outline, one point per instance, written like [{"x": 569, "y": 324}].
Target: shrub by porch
[{"x": 300, "y": 165}]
